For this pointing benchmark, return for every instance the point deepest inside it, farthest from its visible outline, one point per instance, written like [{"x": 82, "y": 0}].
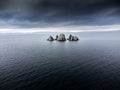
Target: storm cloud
[{"x": 62, "y": 13}]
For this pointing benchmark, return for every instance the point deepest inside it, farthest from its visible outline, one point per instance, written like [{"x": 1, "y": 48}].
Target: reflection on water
[{"x": 28, "y": 61}]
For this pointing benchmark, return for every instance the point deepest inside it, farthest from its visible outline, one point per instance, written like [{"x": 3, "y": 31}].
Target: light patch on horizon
[{"x": 105, "y": 28}]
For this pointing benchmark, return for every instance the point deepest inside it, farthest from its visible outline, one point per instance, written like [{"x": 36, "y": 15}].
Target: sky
[{"x": 59, "y": 15}]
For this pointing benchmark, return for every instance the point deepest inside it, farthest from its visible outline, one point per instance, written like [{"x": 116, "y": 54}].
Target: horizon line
[{"x": 106, "y": 28}]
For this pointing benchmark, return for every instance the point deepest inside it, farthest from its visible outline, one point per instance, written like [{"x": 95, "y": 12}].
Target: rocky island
[{"x": 62, "y": 37}]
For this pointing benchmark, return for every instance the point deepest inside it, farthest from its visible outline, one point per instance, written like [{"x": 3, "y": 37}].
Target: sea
[{"x": 29, "y": 62}]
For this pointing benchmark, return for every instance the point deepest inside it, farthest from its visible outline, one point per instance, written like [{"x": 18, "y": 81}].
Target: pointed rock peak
[{"x": 50, "y": 38}]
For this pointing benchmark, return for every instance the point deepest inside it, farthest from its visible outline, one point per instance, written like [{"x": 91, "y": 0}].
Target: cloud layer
[{"x": 58, "y": 13}]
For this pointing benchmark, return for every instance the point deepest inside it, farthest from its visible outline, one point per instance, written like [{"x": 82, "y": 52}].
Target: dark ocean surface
[{"x": 29, "y": 62}]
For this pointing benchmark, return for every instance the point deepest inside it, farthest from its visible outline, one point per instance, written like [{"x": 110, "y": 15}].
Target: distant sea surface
[{"x": 29, "y": 62}]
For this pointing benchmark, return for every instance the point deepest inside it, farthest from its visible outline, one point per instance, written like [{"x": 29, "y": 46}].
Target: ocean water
[{"x": 29, "y": 62}]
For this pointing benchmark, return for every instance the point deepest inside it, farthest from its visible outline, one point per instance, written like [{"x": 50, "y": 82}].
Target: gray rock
[
  {"x": 50, "y": 38},
  {"x": 56, "y": 37},
  {"x": 61, "y": 37},
  {"x": 69, "y": 37},
  {"x": 76, "y": 38},
  {"x": 73, "y": 38}
]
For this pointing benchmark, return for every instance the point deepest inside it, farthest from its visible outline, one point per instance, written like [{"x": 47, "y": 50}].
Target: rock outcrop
[
  {"x": 56, "y": 37},
  {"x": 50, "y": 38},
  {"x": 61, "y": 37},
  {"x": 73, "y": 38}
]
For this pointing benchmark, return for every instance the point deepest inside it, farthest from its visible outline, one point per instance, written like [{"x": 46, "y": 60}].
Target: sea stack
[
  {"x": 56, "y": 37},
  {"x": 50, "y": 38},
  {"x": 72, "y": 38},
  {"x": 61, "y": 37}
]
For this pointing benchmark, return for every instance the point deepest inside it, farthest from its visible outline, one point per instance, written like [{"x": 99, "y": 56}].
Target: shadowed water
[{"x": 28, "y": 61}]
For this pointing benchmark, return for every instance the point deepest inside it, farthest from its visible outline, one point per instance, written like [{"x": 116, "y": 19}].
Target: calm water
[{"x": 29, "y": 62}]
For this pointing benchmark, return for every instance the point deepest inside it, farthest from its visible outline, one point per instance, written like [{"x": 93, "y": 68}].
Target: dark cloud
[
  {"x": 63, "y": 6},
  {"x": 35, "y": 13},
  {"x": 75, "y": 6}
]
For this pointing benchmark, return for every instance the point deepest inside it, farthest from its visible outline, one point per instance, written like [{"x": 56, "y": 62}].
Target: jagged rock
[
  {"x": 69, "y": 37},
  {"x": 56, "y": 37},
  {"x": 50, "y": 38},
  {"x": 73, "y": 38},
  {"x": 61, "y": 37}
]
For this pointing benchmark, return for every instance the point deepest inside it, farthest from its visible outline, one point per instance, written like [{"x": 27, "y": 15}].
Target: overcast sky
[{"x": 60, "y": 14}]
